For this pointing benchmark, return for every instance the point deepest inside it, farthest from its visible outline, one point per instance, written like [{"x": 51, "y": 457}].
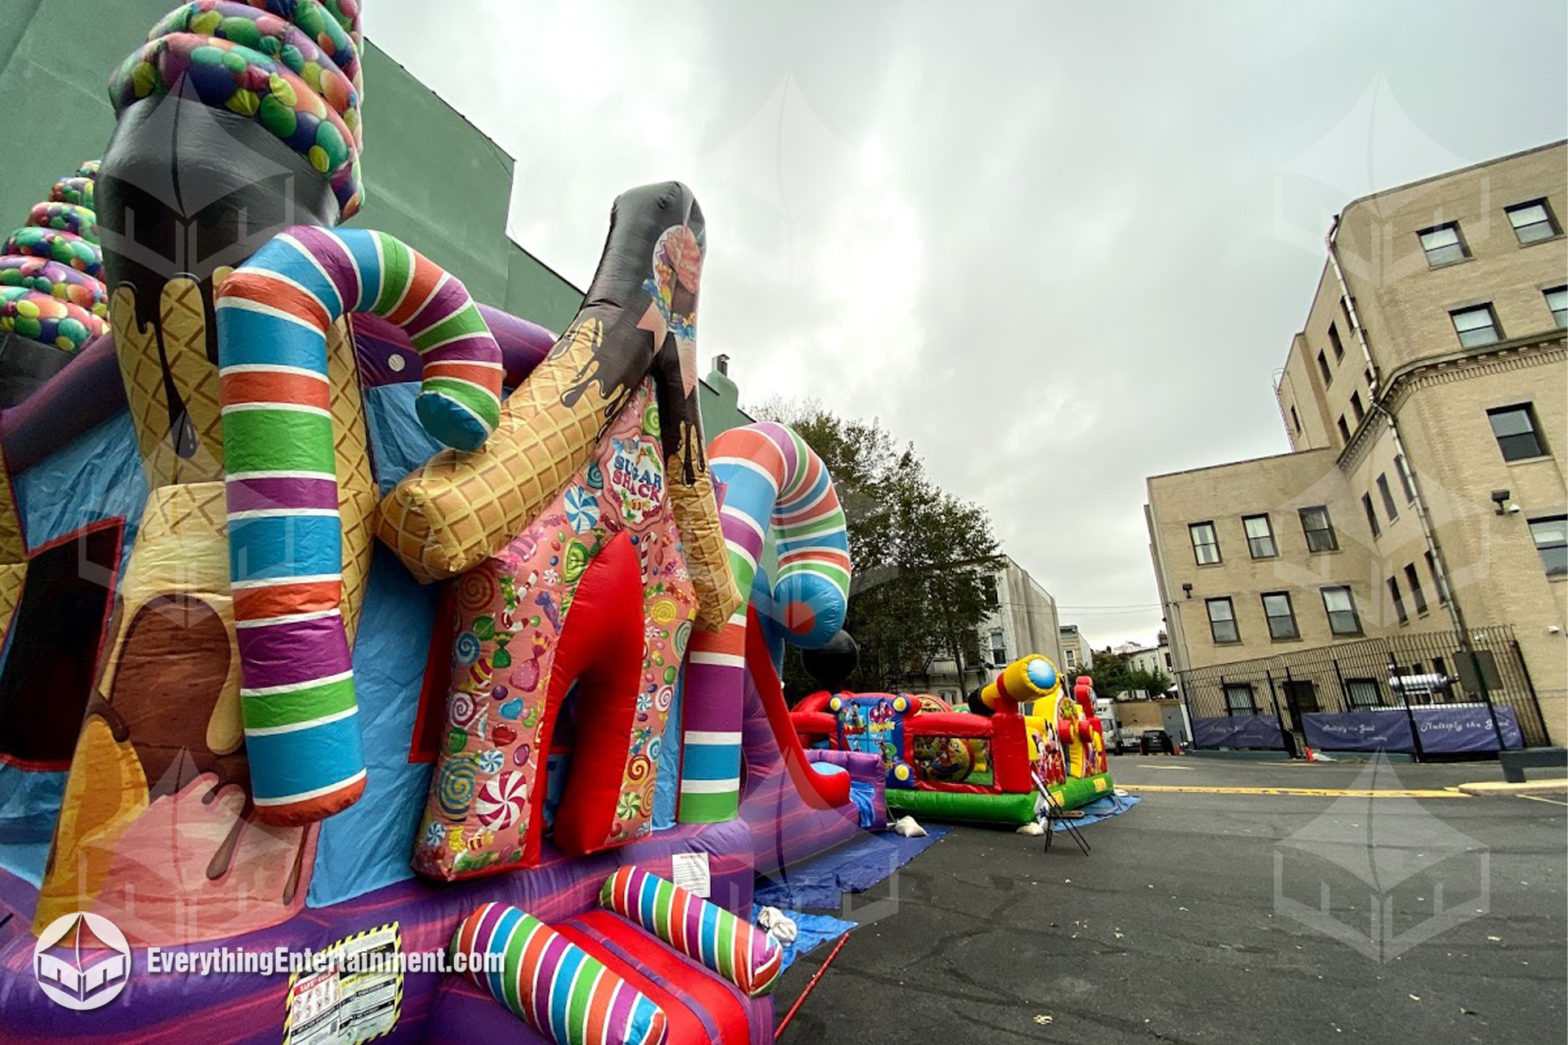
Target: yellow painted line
[
  {"x": 1521, "y": 789},
  {"x": 1540, "y": 798},
  {"x": 1317, "y": 792}
]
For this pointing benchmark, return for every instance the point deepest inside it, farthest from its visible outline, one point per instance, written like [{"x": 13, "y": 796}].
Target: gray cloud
[{"x": 1059, "y": 246}]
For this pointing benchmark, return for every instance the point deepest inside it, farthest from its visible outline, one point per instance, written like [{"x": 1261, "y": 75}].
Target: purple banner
[
  {"x": 1446, "y": 729},
  {"x": 1384, "y": 730},
  {"x": 1238, "y": 731}
]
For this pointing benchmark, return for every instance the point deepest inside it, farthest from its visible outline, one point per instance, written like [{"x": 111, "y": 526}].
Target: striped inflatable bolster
[
  {"x": 766, "y": 478},
  {"x": 561, "y": 990},
  {"x": 702, "y": 931},
  {"x": 285, "y": 537}
]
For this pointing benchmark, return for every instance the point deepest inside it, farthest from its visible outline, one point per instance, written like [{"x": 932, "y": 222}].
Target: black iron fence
[{"x": 1426, "y": 693}]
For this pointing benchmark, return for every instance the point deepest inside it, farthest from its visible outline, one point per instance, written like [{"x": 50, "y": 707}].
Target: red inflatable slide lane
[{"x": 821, "y": 791}]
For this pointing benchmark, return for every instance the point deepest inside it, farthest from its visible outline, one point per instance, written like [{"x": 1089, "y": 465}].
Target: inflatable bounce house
[
  {"x": 984, "y": 764},
  {"x": 346, "y": 616}
]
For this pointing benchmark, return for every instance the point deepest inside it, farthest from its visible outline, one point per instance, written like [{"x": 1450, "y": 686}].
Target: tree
[
  {"x": 923, "y": 557},
  {"x": 1109, "y": 671},
  {"x": 1155, "y": 683},
  {"x": 1113, "y": 675}
]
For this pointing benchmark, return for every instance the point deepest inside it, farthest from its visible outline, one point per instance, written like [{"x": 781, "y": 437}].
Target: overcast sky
[{"x": 1060, "y": 246}]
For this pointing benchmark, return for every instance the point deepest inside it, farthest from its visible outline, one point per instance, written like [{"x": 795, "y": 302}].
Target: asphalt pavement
[{"x": 1240, "y": 901}]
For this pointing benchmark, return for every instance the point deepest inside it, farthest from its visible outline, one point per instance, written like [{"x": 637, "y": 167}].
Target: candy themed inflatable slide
[{"x": 347, "y": 616}]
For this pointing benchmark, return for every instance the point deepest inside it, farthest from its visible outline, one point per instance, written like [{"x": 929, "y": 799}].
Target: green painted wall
[
  {"x": 55, "y": 61},
  {"x": 718, "y": 401},
  {"x": 432, "y": 178}
]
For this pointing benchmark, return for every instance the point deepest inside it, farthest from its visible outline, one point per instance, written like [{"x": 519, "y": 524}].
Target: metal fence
[{"x": 1426, "y": 693}]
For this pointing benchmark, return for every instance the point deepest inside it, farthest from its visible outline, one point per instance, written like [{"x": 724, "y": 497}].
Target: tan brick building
[
  {"x": 1076, "y": 654},
  {"x": 1426, "y": 402}
]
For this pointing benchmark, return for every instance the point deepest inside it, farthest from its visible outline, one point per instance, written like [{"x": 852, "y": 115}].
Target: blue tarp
[
  {"x": 821, "y": 883},
  {"x": 812, "y": 931},
  {"x": 864, "y": 794},
  {"x": 1104, "y": 809}
]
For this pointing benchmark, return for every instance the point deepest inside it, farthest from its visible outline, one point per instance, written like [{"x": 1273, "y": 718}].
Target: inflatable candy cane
[
  {"x": 285, "y": 538},
  {"x": 767, "y": 478}
]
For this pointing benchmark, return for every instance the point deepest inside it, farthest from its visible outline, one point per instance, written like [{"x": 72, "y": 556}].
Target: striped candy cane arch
[
  {"x": 285, "y": 537},
  {"x": 767, "y": 480}
]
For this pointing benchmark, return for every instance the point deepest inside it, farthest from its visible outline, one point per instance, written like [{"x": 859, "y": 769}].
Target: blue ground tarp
[
  {"x": 1103, "y": 809},
  {"x": 821, "y": 883},
  {"x": 812, "y": 931}
]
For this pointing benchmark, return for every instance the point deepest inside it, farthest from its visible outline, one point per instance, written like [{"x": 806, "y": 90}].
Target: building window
[
  {"x": 1406, "y": 479},
  {"x": 1333, "y": 339},
  {"x": 1388, "y": 496},
  {"x": 1556, "y": 300},
  {"x": 1417, "y": 593},
  {"x": 1328, "y": 375},
  {"x": 1476, "y": 326},
  {"x": 1437, "y": 579},
  {"x": 1551, "y": 540},
  {"x": 1295, "y": 418},
  {"x": 998, "y": 647},
  {"x": 1518, "y": 436},
  {"x": 1366, "y": 502},
  {"x": 1205, "y": 544},
  {"x": 1282, "y": 619},
  {"x": 1238, "y": 699},
  {"x": 1222, "y": 620},
  {"x": 1167, "y": 661},
  {"x": 1071, "y": 658},
  {"x": 1532, "y": 221},
  {"x": 1260, "y": 536},
  {"x": 1443, "y": 245},
  {"x": 1319, "y": 529},
  {"x": 1340, "y": 605},
  {"x": 1398, "y": 598},
  {"x": 1344, "y": 429},
  {"x": 1356, "y": 407},
  {"x": 1364, "y": 693}
]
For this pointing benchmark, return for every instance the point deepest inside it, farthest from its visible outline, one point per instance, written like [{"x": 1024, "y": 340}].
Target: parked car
[{"x": 1156, "y": 741}]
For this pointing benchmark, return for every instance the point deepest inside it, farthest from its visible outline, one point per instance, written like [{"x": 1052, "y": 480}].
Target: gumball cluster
[
  {"x": 51, "y": 288},
  {"x": 290, "y": 65}
]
